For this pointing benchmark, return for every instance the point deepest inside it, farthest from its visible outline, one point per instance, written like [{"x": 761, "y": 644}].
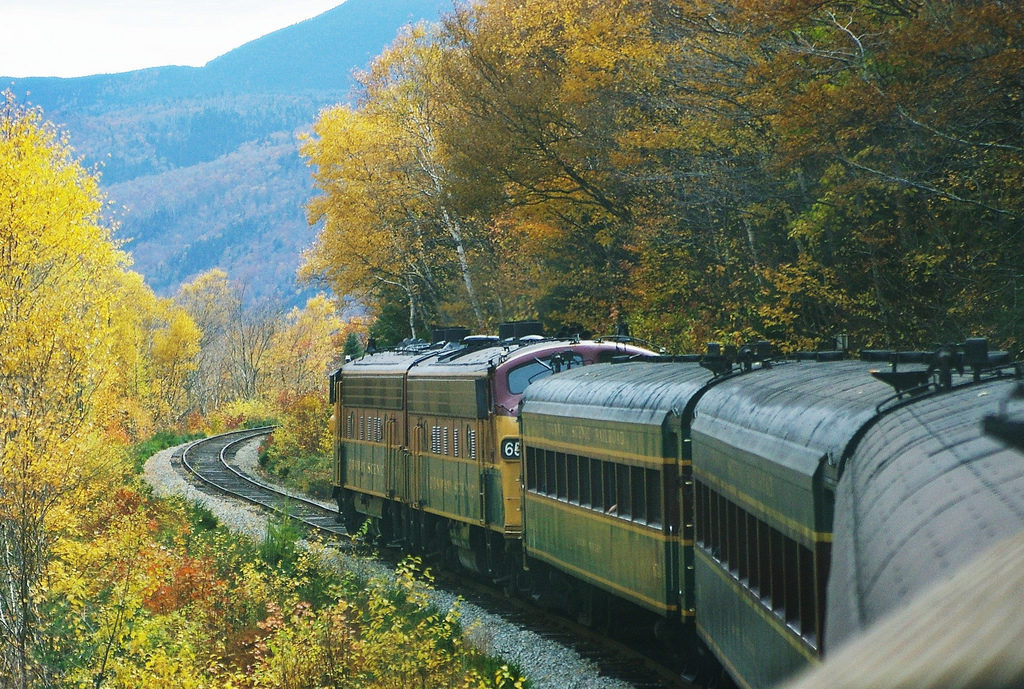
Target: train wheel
[
  {"x": 353, "y": 520},
  {"x": 383, "y": 527}
]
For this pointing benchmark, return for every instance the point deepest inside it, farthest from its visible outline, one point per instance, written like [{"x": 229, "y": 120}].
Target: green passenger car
[
  {"x": 767, "y": 449},
  {"x": 606, "y": 475}
]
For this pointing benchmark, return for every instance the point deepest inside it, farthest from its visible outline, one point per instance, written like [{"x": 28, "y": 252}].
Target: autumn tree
[
  {"x": 904, "y": 123},
  {"x": 174, "y": 349},
  {"x": 540, "y": 89},
  {"x": 393, "y": 217},
  {"x": 304, "y": 349},
  {"x": 155, "y": 350},
  {"x": 364, "y": 248},
  {"x": 57, "y": 268},
  {"x": 701, "y": 170},
  {"x": 212, "y": 302}
]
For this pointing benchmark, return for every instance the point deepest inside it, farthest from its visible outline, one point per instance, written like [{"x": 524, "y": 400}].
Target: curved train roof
[
  {"x": 634, "y": 392},
  {"x": 925, "y": 491},
  {"x": 453, "y": 359},
  {"x": 396, "y": 361},
  {"x": 808, "y": 409}
]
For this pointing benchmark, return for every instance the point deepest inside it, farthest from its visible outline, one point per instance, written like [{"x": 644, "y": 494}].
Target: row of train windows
[
  {"x": 443, "y": 440},
  {"x": 777, "y": 570},
  {"x": 627, "y": 492}
]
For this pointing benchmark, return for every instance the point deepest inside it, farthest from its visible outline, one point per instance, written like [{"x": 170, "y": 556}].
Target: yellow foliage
[{"x": 303, "y": 352}]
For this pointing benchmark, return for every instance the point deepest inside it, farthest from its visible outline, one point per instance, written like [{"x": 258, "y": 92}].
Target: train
[{"x": 751, "y": 511}]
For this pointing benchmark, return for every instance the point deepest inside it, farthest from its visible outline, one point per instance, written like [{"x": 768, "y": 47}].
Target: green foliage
[
  {"x": 310, "y": 474},
  {"x": 161, "y": 440},
  {"x": 391, "y": 323},
  {"x": 280, "y": 546},
  {"x": 353, "y": 347},
  {"x": 201, "y": 518}
]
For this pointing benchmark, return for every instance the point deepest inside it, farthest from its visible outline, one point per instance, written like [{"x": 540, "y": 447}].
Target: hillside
[{"x": 201, "y": 163}]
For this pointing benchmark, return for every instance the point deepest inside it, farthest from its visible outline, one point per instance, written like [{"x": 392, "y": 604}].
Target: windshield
[{"x": 521, "y": 376}]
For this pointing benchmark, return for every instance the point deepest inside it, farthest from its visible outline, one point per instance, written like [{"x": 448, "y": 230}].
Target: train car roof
[
  {"x": 391, "y": 361},
  {"x": 633, "y": 392},
  {"x": 457, "y": 360},
  {"x": 925, "y": 491},
  {"x": 510, "y": 354},
  {"x": 795, "y": 412}
]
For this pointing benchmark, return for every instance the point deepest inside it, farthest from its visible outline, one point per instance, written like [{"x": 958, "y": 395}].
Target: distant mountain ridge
[{"x": 204, "y": 160}]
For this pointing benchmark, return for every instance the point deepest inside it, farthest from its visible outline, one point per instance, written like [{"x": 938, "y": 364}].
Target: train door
[{"x": 406, "y": 471}]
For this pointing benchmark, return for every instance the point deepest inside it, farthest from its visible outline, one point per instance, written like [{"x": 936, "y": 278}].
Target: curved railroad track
[{"x": 208, "y": 460}]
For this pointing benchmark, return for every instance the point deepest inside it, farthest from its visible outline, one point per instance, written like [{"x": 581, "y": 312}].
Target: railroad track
[{"x": 209, "y": 461}]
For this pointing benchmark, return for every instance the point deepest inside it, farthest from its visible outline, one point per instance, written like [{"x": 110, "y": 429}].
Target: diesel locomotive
[
  {"x": 427, "y": 443},
  {"x": 762, "y": 511}
]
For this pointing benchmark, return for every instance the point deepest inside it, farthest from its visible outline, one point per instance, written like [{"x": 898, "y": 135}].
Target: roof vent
[
  {"x": 449, "y": 334},
  {"x": 517, "y": 330}
]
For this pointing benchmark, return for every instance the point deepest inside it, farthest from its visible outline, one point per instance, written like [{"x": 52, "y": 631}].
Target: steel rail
[{"x": 213, "y": 469}]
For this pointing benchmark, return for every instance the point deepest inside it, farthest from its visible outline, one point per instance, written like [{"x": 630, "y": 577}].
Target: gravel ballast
[{"x": 548, "y": 664}]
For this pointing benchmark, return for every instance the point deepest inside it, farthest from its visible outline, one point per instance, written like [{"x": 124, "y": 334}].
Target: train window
[
  {"x": 622, "y": 491},
  {"x": 561, "y": 487},
  {"x": 764, "y": 559},
  {"x": 750, "y": 565},
  {"x": 722, "y": 537},
  {"x": 596, "y": 492},
  {"x": 638, "y": 502},
  {"x": 550, "y": 482},
  {"x": 572, "y": 475},
  {"x": 736, "y": 533},
  {"x": 584, "y": 469},
  {"x": 791, "y": 604},
  {"x": 700, "y": 509},
  {"x": 611, "y": 503},
  {"x": 531, "y": 468},
  {"x": 652, "y": 477},
  {"x": 712, "y": 521},
  {"x": 521, "y": 376},
  {"x": 731, "y": 541},
  {"x": 777, "y": 559},
  {"x": 781, "y": 572},
  {"x": 808, "y": 615}
]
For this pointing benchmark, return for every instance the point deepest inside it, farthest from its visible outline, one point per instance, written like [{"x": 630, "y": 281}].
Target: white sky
[{"x": 69, "y": 38}]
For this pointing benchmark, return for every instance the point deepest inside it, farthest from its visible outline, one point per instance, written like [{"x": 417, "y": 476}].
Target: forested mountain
[{"x": 201, "y": 164}]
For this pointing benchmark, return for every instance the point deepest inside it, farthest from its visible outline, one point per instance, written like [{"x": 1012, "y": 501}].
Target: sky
[{"x": 69, "y": 38}]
